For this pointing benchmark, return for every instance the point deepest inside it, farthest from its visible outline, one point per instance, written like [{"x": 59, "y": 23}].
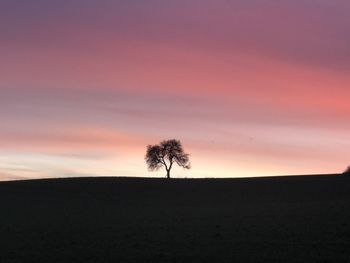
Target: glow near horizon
[{"x": 251, "y": 89}]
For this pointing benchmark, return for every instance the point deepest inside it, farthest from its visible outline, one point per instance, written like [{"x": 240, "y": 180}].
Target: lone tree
[
  {"x": 166, "y": 154},
  {"x": 347, "y": 171}
]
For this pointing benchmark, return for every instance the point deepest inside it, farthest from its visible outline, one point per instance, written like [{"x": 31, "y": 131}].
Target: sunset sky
[{"x": 251, "y": 88}]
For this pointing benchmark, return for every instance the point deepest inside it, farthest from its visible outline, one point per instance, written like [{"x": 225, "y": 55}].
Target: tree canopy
[{"x": 165, "y": 154}]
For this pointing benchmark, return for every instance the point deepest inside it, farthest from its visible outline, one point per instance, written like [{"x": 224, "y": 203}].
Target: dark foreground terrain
[{"x": 284, "y": 219}]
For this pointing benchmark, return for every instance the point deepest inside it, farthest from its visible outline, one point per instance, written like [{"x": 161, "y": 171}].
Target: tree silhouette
[
  {"x": 347, "y": 171},
  {"x": 166, "y": 154}
]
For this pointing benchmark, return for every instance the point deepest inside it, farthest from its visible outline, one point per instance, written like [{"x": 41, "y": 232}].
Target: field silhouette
[{"x": 276, "y": 219}]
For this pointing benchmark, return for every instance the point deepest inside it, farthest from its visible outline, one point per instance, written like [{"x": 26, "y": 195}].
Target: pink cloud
[{"x": 203, "y": 71}]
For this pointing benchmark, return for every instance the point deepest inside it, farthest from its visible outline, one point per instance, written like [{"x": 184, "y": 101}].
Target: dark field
[{"x": 283, "y": 219}]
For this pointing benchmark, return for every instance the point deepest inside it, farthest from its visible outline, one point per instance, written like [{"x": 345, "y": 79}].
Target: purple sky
[{"x": 251, "y": 88}]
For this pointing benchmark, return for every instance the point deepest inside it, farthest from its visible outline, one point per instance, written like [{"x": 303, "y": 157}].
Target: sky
[{"x": 250, "y": 88}]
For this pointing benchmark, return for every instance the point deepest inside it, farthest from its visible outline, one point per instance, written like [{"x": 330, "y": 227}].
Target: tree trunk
[{"x": 168, "y": 173}]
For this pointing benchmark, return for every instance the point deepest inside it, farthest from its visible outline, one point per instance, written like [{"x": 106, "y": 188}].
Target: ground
[{"x": 281, "y": 219}]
